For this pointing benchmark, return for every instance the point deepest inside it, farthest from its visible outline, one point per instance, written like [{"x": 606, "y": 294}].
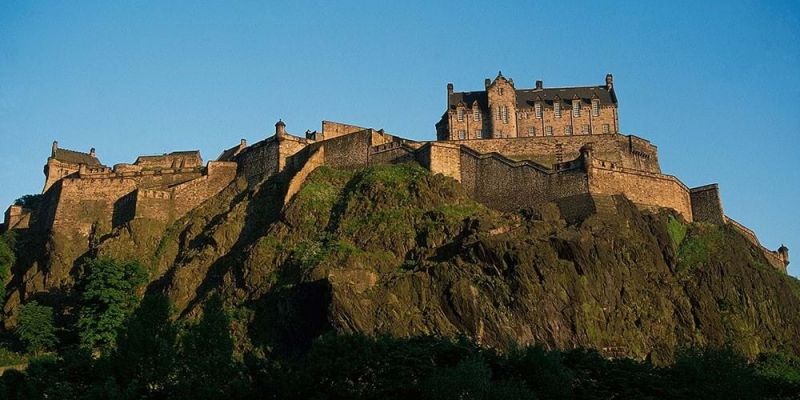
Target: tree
[
  {"x": 144, "y": 361},
  {"x": 207, "y": 369},
  {"x": 109, "y": 296},
  {"x": 35, "y": 327}
]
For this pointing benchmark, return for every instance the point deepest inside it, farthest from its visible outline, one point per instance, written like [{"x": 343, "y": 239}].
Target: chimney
[
  {"x": 280, "y": 128},
  {"x": 609, "y": 81},
  {"x": 449, "y": 88},
  {"x": 487, "y": 82},
  {"x": 92, "y": 152},
  {"x": 54, "y": 148},
  {"x": 539, "y": 84},
  {"x": 243, "y": 143}
]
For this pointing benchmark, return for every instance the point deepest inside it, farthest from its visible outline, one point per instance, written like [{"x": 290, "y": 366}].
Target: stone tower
[{"x": 502, "y": 107}]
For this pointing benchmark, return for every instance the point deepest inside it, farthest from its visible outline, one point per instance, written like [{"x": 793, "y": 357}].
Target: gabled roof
[
  {"x": 74, "y": 157},
  {"x": 548, "y": 95}
]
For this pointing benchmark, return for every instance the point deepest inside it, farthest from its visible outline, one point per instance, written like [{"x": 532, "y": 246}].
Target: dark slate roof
[
  {"x": 227, "y": 155},
  {"x": 548, "y": 95},
  {"x": 75, "y": 157}
]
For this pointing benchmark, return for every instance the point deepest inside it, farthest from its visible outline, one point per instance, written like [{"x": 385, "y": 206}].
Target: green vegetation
[
  {"x": 151, "y": 364},
  {"x": 108, "y": 296},
  {"x": 7, "y": 259},
  {"x": 29, "y": 201},
  {"x": 701, "y": 241},
  {"x": 677, "y": 231},
  {"x": 35, "y": 327}
]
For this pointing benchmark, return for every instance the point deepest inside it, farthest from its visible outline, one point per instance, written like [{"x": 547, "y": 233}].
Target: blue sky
[{"x": 714, "y": 85}]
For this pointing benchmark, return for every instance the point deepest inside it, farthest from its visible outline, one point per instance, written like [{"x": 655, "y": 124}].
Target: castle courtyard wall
[{"x": 707, "y": 205}]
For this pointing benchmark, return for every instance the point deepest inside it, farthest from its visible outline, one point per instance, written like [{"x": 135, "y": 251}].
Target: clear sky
[{"x": 714, "y": 85}]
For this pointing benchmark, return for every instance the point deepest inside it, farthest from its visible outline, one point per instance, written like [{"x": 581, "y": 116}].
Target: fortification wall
[
  {"x": 649, "y": 190},
  {"x": 86, "y": 202},
  {"x": 504, "y": 184},
  {"x": 189, "y": 195},
  {"x": 259, "y": 160},
  {"x": 349, "y": 150},
  {"x": 332, "y": 129},
  {"x": 441, "y": 158},
  {"x": 706, "y": 204},
  {"x": 153, "y": 204},
  {"x": 627, "y": 151},
  {"x": 16, "y": 217},
  {"x": 314, "y": 159},
  {"x": 391, "y": 153}
]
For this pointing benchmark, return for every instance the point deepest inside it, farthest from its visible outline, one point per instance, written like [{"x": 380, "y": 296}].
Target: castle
[{"x": 508, "y": 148}]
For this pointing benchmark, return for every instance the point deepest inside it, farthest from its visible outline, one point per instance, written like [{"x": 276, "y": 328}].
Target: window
[
  {"x": 532, "y": 131},
  {"x": 557, "y": 108},
  {"x": 585, "y": 129},
  {"x": 460, "y": 114},
  {"x": 476, "y": 115},
  {"x": 595, "y": 108},
  {"x": 606, "y": 128},
  {"x": 576, "y": 108},
  {"x": 549, "y": 130},
  {"x": 462, "y": 134},
  {"x": 500, "y": 91},
  {"x": 568, "y": 129},
  {"x": 504, "y": 114},
  {"x": 538, "y": 108},
  {"x": 478, "y": 134}
]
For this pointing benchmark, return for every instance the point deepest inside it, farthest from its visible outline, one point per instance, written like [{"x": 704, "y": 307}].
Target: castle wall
[
  {"x": 441, "y": 158},
  {"x": 259, "y": 160},
  {"x": 504, "y": 184},
  {"x": 348, "y": 150},
  {"x": 645, "y": 189},
  {"x": 16, "y": 217},
  {"x": 191, "y": 194},
  {"x": 628, "y": 151},
  {"x": 84, "y": 202},
  {"x": 186, "y": 159},
  {"x": 55, "y": 170},
  {"x": 332, "y": 129},
  {"x": 706, "y": 204},
  {"x": 391, "y": 153}
]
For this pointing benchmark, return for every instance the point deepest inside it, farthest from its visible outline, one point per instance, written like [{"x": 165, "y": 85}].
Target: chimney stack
[
  {"x": 243, "y": 143},
  {"x": 449, "y": 88},
  {"x": 609, "y": 81},
  {"x": 92, "y": 152},
  {"x": 539, "y": 84},
  {"x": 54, "y": 148},
  {"x": 487, "y": 82},
  {"x": 280, "y": 128}
]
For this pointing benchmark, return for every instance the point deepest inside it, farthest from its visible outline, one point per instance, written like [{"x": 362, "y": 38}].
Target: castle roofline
[
  {"x": 74, "y": 157},
  {"x": 529, "y": 96}
]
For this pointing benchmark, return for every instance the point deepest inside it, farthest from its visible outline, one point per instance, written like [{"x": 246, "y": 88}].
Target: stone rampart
[
  {"x": 706, "y": 204},
  {"x": 647, "y": 189},
  {"x": 506, "y": 184},
  {"x": 188, "y": 195},
  {"x": 628, "y": 151}
]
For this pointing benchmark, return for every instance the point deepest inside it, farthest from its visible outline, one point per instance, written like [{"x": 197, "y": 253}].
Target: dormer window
[
  {"x": 460, "y": 114},
  {"x": 476, "y": 114},
  {"x": 595, "y": 108},
  {"x": 576, "y": 108},
  {"x": 557, "y": 108},
  {"x": 538, "y": 109}
]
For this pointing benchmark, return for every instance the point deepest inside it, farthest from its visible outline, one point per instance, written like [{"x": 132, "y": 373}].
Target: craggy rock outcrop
[{"x": 396, "y": 250}]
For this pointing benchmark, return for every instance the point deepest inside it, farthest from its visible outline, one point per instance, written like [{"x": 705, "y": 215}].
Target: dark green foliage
[
  {"x": 35, "y": 327},
  {"x": 7, "y": 259},
  {"x": 144, "y": 361},
  {"x": 207, "y": 369},
  {"x": 358, "y": 367},
  {"x": 108, "y": 296}
]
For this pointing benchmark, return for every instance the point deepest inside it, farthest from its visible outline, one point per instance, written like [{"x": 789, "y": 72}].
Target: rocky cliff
[{"x": 396, "y": 250}]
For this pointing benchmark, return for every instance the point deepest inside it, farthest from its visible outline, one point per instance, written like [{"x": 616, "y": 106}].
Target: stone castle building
[{"x": 509, "y": 148}]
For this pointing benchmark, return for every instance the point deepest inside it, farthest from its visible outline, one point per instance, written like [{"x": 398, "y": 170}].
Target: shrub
[{"x": 35, "y": 327}]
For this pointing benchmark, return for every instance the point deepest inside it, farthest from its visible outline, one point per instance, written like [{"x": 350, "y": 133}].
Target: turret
[
  {"x": 783, "y": 253},
  {"x": 280, "y": 128}
]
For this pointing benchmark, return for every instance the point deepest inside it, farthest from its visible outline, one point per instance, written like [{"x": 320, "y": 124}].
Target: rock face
[{"x": 396, "y": 250}]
